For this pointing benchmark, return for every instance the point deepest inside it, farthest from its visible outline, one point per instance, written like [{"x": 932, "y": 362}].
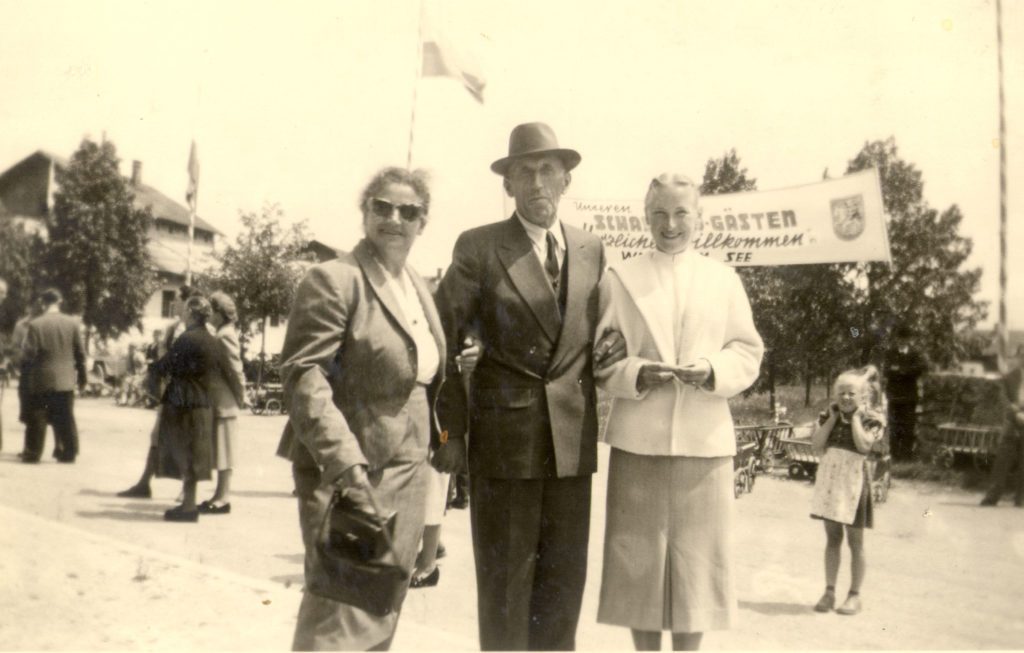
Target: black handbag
[{"x": 356, "y": 557}]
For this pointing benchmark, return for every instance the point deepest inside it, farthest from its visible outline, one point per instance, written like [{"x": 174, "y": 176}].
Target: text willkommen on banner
[{"x": 833, "y": 221}]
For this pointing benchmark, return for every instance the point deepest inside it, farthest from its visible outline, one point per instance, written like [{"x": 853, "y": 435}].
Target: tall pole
[
  {"x": 1004, "y": 344},
  {"x": 415, "y": 82}
]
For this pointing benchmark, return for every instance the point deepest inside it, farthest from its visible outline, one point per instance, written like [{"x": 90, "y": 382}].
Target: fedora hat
[{"x": 534, "y": 138}]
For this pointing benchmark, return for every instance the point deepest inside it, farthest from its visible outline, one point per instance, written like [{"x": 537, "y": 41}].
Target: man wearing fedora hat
[{"x": 526, "y": 288}]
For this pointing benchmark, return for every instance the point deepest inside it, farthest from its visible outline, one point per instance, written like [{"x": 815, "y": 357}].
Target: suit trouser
[
  {"x": 57, "y": 410},
  {"x": 902, "y": 425},
  {"x": 530, "y": 546},
  {"x": 1009, "y": 455}
]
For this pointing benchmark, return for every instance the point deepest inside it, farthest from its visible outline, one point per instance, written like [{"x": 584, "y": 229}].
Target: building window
[{"x": 167, "y": 303}]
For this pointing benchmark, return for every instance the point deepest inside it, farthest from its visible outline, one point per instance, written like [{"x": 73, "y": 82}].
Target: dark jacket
[{"x": 532, "y": 412}]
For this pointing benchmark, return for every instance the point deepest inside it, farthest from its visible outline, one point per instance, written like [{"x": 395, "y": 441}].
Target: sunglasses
[{"x": 385, "y": 209}]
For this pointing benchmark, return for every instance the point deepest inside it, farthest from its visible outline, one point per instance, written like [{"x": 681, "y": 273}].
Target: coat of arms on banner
[{"x": 848, "y": 216}]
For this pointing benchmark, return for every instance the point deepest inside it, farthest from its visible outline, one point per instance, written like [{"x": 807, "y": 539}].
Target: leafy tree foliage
[
  {"x": 19, "y": 251},
  {"x": 925, "y": 288},
  {"x": 261, "y": 269},
  {"x": 96, "y": 253}
]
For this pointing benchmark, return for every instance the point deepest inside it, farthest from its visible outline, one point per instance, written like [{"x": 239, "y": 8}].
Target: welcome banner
[{"x": 834, "y": 221}]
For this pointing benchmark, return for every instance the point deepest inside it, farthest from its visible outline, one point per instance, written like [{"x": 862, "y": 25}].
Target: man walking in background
[{"x": 54, "y": 361}]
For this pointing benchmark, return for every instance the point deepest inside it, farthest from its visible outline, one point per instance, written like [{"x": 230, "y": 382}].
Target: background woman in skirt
[
  {"x": 842, "y": 486},
  {"x": 186, "y": 418},
  {"x": 225, "y": 404},
  {"x": 691, "y": 344}
]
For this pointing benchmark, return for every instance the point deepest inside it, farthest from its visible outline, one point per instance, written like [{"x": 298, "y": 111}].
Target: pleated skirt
[{"x": 668, "y": 559}]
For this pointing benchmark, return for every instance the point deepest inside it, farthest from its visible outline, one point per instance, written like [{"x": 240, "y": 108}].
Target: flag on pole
[
  {"x": 442, "y": 59},
  {"x": 193, "y": 178}
]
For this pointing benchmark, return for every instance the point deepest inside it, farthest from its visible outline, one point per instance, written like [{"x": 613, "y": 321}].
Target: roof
[{"x": 163, "y": 207}]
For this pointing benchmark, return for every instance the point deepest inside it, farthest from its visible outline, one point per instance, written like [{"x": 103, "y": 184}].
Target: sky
[{"x": 300, "y": 103}]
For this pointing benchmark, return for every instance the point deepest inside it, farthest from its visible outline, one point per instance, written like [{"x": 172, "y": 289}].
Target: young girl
[{"x": 842, "y": 490}]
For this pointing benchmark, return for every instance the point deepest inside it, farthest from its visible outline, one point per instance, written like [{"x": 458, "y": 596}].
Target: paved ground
[{"x": 81, "y": 569}]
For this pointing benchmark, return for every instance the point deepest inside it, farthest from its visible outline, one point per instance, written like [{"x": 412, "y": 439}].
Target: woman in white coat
[{"x": 691, "y": 344}]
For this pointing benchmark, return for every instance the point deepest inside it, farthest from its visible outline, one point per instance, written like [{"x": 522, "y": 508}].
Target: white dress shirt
[
  {"x": 427, "y": 358},
  {"x": 538, "y": 238}
]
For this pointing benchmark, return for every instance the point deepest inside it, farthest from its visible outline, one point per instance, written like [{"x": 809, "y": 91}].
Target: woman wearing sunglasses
[{"x": 361, "y": 362}]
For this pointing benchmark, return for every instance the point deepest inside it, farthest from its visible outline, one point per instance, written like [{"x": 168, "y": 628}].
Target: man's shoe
[
  {"x": 989, "y": 501},
  {"x": 179, "y": 515},
  {"x": 460, "y": 502},
  {"x": 26, "y": 459},
  {"x": 137, "y": 492},
  {"x": 429, "y": 580},
  {"x": 826, "y": 602},
  {"x": 850, "y": 606}
]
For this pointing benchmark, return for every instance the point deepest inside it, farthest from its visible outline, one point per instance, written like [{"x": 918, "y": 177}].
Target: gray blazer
[
  {"x": 222, "y": 395},
  {"x": 349, "y": 365},
  {"x": 53, "y": 353}
]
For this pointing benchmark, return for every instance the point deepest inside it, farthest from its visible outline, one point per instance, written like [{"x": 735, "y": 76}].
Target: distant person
[
  {"x": 1010, "y": 454},
  {"x": 846, "y": 432},
  {"x": 54, "y": 361},
  {"x": 903, "y": 366},
  {"x": 185, "y": 442},
  {"x": 225, "y": 404},
  {"x": 161, "y": 344},
  {"x": 691, "y": 345}
]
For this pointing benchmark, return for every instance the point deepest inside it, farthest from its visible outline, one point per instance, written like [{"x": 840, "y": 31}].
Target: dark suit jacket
[
  {"x": 53, "y": 355},
  {"x": 533, "y": 395},
  {"x": 349, "y": 366}
]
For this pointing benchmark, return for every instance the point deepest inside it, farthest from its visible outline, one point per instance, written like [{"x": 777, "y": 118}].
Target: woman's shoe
[
  {"x": 850, "y": 606},
  {"x": 178, "y": 514},
  {"x": 826, "y": 602},
  {"x": 426, "y": 581},
  {"x": 212, "y": 508}
]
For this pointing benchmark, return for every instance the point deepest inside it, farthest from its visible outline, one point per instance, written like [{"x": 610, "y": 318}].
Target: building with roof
[{"x": 26, "y": 197}]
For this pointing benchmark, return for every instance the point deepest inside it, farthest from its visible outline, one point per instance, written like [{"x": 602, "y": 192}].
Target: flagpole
[
  {"x": 1004, "y": 344},
  {"x": 415, "y": 83},
  {"x": 193, "y": 202}
]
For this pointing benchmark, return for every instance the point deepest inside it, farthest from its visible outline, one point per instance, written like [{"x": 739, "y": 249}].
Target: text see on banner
[{"x": 833, "y": 221}]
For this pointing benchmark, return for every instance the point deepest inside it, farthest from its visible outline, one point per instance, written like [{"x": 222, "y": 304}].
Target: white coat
[{"x": 713, "y": 322}]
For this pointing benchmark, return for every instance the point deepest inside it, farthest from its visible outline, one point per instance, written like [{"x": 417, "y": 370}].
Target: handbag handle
[{"x": 324, "y": 536}]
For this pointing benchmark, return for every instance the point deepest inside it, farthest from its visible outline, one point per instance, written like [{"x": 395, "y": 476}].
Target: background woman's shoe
[
  {"x": 212, "y": 508},
  {"x": 826, "y": 602},
  {"x": 426, "y": 581},
  {"x": 180, "y": 515},
  {"x": 850, "y": 606}
]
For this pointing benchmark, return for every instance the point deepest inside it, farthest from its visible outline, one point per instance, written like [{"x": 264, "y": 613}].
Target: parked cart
[
  {"x": 977, "y": 442},
  {"x": 743, "y": 465},
  {"x": 768, "y": 441},
  {"x": 803, "y": 462},
  {"x": 266, "y": 399}
]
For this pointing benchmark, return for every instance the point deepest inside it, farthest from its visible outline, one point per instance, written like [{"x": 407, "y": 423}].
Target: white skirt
[
  {"x": 437, "y": 497},
  {"x": 225, "y": 443},
  {"x": 668, "y": 559}
]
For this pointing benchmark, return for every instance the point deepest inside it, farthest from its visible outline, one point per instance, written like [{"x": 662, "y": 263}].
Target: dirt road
[{"x": 81, "y": 569}]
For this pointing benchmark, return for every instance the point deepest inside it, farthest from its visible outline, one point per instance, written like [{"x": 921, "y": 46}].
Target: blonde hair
[{"x": 868, "y": 382}]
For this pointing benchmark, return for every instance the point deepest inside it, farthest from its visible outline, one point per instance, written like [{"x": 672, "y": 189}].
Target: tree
[
  {"x": 800, "y": 310},
  {"x": 925, "y": 287},
  {"x": 96, "y": 253},
  {"x": 261, "y": 270},
  {"x": 19, "y": 252}
]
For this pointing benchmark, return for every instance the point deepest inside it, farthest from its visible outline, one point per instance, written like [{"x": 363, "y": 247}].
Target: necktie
[{"x": 551, "y": 262}]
